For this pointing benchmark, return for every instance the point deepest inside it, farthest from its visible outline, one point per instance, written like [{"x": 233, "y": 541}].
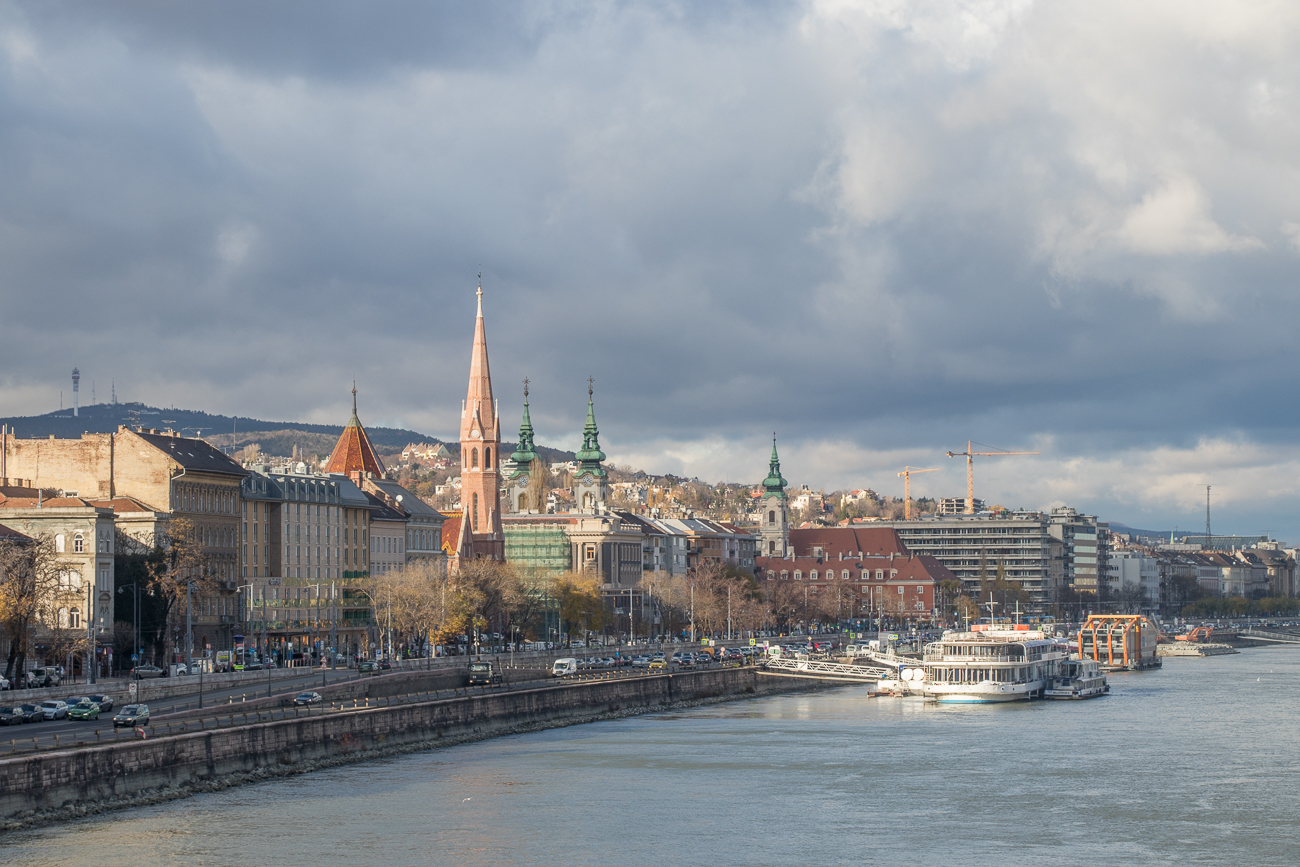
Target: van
[
  {"x": 564, "y": 667},
  {"x": 44, "y": 677}
]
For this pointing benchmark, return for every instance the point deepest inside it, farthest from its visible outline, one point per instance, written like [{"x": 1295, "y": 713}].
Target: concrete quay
[{"x": 58, "y": 785}]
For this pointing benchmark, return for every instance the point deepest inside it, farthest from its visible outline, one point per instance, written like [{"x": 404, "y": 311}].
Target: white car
[{"x": 54, "y": 709}]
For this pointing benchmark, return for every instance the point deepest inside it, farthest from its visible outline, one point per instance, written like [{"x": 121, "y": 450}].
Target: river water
[{"x": 1198, "y": 763}]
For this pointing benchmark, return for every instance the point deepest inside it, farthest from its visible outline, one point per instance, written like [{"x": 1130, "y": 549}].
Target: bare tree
[{"x": 36, "y": 590}]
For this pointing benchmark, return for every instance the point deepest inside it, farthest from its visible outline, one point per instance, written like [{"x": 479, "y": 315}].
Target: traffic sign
[{"x": 131, "y": 688}]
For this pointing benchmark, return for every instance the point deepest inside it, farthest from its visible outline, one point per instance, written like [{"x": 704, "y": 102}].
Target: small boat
[{"x": 1078, "y": 679}]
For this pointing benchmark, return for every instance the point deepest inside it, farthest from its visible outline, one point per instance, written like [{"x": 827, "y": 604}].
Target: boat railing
[{"x": 953, "y": 657}]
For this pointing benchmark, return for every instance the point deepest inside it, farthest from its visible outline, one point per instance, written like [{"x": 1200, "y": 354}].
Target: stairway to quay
[{"x": 192, "y": 751}]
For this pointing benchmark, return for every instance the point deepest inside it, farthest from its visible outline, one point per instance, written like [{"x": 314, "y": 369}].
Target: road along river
[{"x": 1193, "y": 764}]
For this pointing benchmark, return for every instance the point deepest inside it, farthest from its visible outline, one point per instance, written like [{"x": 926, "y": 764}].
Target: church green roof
[
  {"x": 590, "y": 455},
  {"x": 525, "y": 454},
  {"x": 774, "y": 483}
]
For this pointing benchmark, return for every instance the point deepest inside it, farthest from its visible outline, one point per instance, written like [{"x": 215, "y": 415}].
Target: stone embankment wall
[{"x": 65, "y": 784}]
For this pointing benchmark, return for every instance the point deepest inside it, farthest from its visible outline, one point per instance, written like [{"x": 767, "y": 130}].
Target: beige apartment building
[{"x": 164, "y": 473}]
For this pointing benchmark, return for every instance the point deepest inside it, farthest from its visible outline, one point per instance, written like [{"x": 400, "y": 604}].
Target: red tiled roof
[
  {"x": 847, "y": 540},
  {"x": 48, "y": 502},
  {"x": 12, "y": 535},
  {"x": 353, "y": 452},
  {"x": 451, "y": 531},
  {"x": 121, "y": 505}
]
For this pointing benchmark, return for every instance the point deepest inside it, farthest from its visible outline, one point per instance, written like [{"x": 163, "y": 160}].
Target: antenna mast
[{"x": 1207, "y": 516}]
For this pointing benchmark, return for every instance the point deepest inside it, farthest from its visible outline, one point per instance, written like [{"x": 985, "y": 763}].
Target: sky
[{"x": 877, "y": 229}]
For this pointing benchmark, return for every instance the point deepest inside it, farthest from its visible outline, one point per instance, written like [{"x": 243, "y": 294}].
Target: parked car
[
  {"x": 4, "y": 683},
  {"x": 105, "y": 703},
  {"x": 142, "y": 671},
  {"x": 306, "y": 699},
  {"x": 33, "y": 712},
  {"x": 54, "y": 709},
  {"x": 45, "y": 676},
  {"x": 132, "y": 715},
  {"x": 84, "y": 709},
  {"x": 12, "y": 716}
]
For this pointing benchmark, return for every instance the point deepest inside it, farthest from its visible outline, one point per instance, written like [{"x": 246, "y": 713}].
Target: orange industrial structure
[
  {"x": 1200, "y": 633},
  {"x": 969, "y": 455},
  {"x": 907, "y": 489},
  {"x": 1119, "y": 641}
]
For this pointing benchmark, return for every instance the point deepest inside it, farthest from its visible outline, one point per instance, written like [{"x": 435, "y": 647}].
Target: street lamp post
[{"x": 90, "y": 631}]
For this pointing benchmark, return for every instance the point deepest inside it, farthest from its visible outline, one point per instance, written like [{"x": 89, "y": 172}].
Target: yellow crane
[
  {"x": 969, "y": 455},
  {"x": 907, "y": 489}
]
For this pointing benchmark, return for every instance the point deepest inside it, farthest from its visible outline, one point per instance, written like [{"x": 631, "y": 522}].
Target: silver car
[{"x": 54, "y": 709}]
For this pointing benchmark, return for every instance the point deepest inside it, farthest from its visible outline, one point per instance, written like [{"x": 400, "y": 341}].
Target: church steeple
[
  {"x": 480, "y": 454},
  {"x": 525, "y": 454},
  {"x": 774, "y": 483},
  {"x": 590, "y": 455},
  {"x": 590, "y": 485},
  {"x": 774, "y": 521}
]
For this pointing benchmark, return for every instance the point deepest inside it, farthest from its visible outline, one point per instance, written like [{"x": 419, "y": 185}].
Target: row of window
[{"x": 204, "y": 498}]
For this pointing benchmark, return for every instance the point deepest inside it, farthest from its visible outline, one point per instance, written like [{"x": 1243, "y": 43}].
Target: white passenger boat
[
  {"x": 1077, "y": 679},
  {"x": 1006, "y": 663}
]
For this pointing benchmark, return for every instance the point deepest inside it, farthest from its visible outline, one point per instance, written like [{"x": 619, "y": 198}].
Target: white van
[{"x": 564, "y": 667}]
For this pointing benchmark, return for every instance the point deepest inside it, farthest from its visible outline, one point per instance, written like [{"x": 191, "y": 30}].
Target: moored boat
[
  {"x": 990, "y": 665},
  {"x": 1078, "y": 679}
]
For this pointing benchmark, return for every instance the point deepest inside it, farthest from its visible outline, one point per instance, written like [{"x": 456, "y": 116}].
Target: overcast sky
[{"x": 879, "y": 229}]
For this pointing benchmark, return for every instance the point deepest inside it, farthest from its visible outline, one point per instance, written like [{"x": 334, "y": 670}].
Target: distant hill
[
  {"x": 1156, "y": 534},
  {"x": 275, "y": 437}
]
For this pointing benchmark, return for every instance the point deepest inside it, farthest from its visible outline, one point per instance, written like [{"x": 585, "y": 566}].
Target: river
[{"x": 1198, "y": 763}]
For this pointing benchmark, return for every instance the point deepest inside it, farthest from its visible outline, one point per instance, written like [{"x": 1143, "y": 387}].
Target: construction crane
[
  {"x": 907, "y": 489},
  {"x": 969, "y": 455}
]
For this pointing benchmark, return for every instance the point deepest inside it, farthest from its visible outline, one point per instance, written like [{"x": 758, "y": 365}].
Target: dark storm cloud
[{"x": 880, "y": 228}]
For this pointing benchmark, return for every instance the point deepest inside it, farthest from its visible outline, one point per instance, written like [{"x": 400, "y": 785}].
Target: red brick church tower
[{"x": 480, "y": 455}]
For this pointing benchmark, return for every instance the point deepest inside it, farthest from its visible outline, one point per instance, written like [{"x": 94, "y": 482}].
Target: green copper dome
[
  {"x": 524, "y": 454},
  {"x": 590, "y": 456},
  {"x": 774, "y": 483}
]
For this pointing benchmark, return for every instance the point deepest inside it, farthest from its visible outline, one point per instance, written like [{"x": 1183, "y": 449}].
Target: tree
[
  {"x": 35, "y": 588},
  {"x": 181, "y": 566},
  {"x": 580, "y": 601}
]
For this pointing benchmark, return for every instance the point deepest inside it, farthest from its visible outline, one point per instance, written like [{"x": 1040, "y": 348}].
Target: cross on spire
[
  {"x": 354, "y": 396},
  {"x": 525, "y": 389},
  {"x": 591, "y": 385}
]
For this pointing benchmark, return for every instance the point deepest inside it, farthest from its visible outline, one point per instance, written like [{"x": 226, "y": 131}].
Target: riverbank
[{"x": 62, "y": 785}]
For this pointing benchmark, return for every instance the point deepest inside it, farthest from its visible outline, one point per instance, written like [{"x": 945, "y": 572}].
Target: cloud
[
  {"x": 1175, "y": 219},
  {"x": 880, "y": 229}
]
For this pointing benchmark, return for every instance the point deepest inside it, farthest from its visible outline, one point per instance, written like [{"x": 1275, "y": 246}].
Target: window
[
  {"x": 845, "y": 574},
  {"x": 59, "y": 544},
  {"x": 473, "y": 459},
  {"x": 784, "y": 574},
  {"x": 812, "y": 576},
  {"x": 798, "y": 576},
  {"x": 78, "y": 544},
  {"x": 74, "y": 618},
  {"x": 487, "y": 458},
  {"x": 475, "y": 513}
]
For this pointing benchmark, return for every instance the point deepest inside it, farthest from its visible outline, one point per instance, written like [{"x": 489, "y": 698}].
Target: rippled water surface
[{"x": 1196, "y": 764}]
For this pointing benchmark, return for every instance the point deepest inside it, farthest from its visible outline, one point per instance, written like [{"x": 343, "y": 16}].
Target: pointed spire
[
  {"x": 774, "y": 483},
  {"x": 480, "y": 409},
  {"x": 354, "y": 421},
  {"x": 590, "y": 456},
  {"x": 525, "y": 454}
]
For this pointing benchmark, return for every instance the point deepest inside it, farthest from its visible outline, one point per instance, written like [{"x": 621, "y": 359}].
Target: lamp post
[
  {"x": 90, "y": 630},
  {"x": 135, "y": 621}
]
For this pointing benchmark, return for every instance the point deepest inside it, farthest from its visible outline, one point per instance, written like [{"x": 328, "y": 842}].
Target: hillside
[{"x": 275, "y": 437}]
